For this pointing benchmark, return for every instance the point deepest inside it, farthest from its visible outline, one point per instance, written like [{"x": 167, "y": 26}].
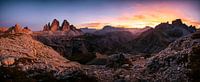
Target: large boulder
[{"x": 118, "y": 60}]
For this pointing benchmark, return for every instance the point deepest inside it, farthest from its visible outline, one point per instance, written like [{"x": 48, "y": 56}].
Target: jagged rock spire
[
  {"x": 17, "y": 28},
  {"x": 54, "y": 25},
  {"x": 65, "y": 26}
]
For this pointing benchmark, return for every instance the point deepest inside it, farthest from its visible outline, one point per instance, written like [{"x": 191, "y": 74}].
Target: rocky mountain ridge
[
  {"x": 154, "y": 40},
  {"x": 16, "y": 29},
  {"x": 55, "y": 26},
  {"x": 114, "y": 56}
]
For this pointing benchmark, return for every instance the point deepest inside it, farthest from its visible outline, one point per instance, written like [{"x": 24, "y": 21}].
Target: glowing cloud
[{"x": 141, "y": 15}]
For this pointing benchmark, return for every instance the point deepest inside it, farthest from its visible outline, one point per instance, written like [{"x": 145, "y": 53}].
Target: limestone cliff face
[
  {"x": 54, "y": 25},
  {"x": 65, "y": 28}
]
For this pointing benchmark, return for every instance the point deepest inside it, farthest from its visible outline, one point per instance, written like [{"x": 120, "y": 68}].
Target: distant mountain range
[
  {"x": 68, "y": 40},
  {"x": 146, "y": 40},
  {"x": 167, "y": 52}
]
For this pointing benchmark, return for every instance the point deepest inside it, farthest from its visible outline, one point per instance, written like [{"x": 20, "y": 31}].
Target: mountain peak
[
  {"x": 177, "y": 22},
  {"x": 65, "y": 26},
  {"x": 17, "y": 28},
  {"x": 107, "y": 27},
  {"x": 54, "y": 25},
  {"x": 55, "y": 20}
]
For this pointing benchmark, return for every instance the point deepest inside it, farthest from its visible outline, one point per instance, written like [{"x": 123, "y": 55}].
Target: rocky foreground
[
  {"x": 23, "y": 59},
  {"x": 179, "y": 62}
]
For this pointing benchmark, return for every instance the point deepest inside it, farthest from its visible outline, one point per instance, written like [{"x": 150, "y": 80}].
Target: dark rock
[
  {"x": 46, "y": 28},
  {"x": 196, "y": 35},
  {"x": 65, "y": 29},
  {"x": 117, "y": 60},
  {"x": 18, "y": 29},
  {"x": 177, "y": 22},
  {"x": 72, "y": 27}
]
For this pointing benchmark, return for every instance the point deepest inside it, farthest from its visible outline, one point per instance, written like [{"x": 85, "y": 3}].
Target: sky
[{"x": 98, "y": 13}]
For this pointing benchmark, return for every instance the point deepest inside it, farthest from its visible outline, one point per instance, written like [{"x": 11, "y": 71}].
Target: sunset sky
[{"x": 97, "y": 13}]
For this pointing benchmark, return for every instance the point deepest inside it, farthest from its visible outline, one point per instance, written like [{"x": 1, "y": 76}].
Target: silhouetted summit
[
  {"x": 54, "y": 27},
  {"x": 177, "y": 22}
]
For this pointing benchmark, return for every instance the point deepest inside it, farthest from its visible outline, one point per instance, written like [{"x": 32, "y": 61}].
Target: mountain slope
[
  {"x": 157, "y": 39},
  {"x": 24, "y": 59},
  {"x": 178, "y": 62}
]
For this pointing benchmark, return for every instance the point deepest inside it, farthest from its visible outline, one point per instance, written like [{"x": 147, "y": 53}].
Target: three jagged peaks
[{"x": 55, "y": 26}]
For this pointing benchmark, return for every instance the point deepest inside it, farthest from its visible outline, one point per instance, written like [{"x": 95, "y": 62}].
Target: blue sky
[{"x": 36, "y": 13}]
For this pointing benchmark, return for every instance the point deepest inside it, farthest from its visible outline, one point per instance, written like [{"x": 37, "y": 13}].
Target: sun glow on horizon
[{"x": 142, "y": 15}]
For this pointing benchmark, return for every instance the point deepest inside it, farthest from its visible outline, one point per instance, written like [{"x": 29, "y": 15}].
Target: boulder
[
  {"x": 8, "y": 61},
  {"x": 118, "y": 60}
]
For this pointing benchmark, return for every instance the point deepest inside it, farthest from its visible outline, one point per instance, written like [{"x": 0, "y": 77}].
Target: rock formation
[
  {"x": 26, "y": 30},
  {"x": 46, "y": 27},
  {"x": 3, "y": 29},
  {"x": 65, "y": 26},
  {"x": 54, "y": 25},
  {"x": 64, "y": 29},
  {"x": 72, "y": 48},
  {"x": 18, "y": 29},
  {"x": 177, "y": 22}
]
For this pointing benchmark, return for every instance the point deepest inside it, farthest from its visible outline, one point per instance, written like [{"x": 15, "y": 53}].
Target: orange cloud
[
  {"x": 93, "y": 25},
  {"x": 149, "y": 15}
]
